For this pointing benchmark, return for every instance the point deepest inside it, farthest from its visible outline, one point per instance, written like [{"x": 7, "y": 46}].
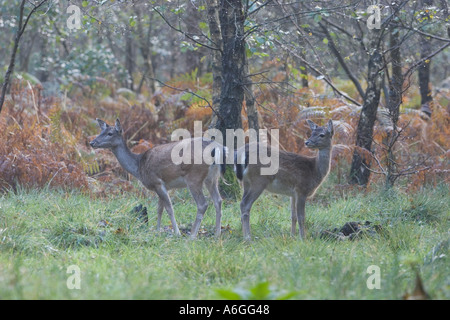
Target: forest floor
[{"x": 69, "y": 245}]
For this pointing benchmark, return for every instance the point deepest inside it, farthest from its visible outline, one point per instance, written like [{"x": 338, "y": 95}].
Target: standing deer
[
  {"x": 158, "y": 173},
  {"x": 298, "y": 176}
]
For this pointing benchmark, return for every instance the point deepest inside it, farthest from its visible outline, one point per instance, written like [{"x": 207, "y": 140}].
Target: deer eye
[
  {"x": 322, "y": 135},
  {"x": 110, "y": 134}
]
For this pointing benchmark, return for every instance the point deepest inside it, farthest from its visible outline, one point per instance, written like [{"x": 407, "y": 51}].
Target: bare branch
[
  {"x": 20, "y": 30},
  {"x": 328, "y": 81},
  {"x": 419, "y": 62},
  {"x": 426, "y": 34},
  {"x": 257, "y": 9},
  {"x": 341, "y": 61},
  {"x": 187, "y": 35}
]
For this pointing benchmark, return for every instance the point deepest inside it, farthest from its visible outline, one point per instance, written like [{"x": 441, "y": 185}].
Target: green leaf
[
  {"x": 186, "y": 96},
  {"x": 325, "y": 40},
  {"x": 202, "y": 25},
  {"x": 84, "y": 3},
  {"x": 132, "y": 22},
  {"x": 317, "y": 18},
  {"x": 261, "y": 290},
  {"x": 260, "y": 40},
  {"x": 248, "y": 52},
  {"x": 228, "y": 294}
]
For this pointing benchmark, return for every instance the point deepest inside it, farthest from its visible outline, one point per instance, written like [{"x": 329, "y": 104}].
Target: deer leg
[
  {"x": 293, "y": 217},
  {"x": 251, "y": 193},
  {"x": 159, "y": 212},
  {"x": 165, "y": 199},
  {"x": 217, "y": 200},
  {"x": 300, "y": 206},
  {"x": 202, "y": 205}
]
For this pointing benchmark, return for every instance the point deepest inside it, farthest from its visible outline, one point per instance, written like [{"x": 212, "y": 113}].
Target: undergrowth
[
  {"x": 122, "y": 257},
  {"x": 63, "y": 204},
  {"x": 44, "y": 140}
]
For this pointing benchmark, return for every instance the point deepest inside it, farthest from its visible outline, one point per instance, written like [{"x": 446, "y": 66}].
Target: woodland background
[{"x": 161, "y": 65}]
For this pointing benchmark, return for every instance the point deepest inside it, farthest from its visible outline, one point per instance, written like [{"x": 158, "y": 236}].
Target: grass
[{"x": 42, "y": 233}]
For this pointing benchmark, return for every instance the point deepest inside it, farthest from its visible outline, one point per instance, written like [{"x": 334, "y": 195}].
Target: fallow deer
[
  {"x": 298, "y": 176},
  {"x": 155, "y": 169}
]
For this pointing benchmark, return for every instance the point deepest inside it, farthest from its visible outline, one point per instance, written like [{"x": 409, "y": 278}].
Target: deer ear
[
  {"x": 118, "y": 126},
  {"x": 312, "y": 125},
  {"x": 102, "y": 124},
  {"x": 330, "y": 127}
]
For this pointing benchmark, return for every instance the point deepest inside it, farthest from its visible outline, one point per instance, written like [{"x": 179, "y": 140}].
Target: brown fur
[
  {"x": 158, "y": 173},
  {"x": 298, "y": 176}
]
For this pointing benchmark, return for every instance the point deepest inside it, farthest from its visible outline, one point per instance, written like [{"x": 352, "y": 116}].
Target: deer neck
[
  {"x": 127, "y": 159},
  {"x": 323, "y": 160}
]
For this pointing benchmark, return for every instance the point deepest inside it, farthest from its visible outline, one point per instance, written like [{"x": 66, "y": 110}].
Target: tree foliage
[{"x": 161, "y": 65}]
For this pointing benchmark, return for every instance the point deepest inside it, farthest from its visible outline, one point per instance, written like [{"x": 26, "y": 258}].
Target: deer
[
  {"x": 298, "y": 176},
  {"x": 155, "y": 169}
]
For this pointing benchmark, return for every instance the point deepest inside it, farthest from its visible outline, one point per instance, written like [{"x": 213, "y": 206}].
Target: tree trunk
[
  {"x": 145, "y": 47},
  {"x": 129, "y": 61},
  {"x": 393, "y": 105},
  {"x": 216, "y": 64},
  {"x": 9, "y": 72},
  {"x": 25, "y": 53},
  {"x": 396, "y": 81},
  {"x": 424, "y": 77},
  {"x": 20, "y": 30},
  {"x": 43, "y": 72},
  {"x": 231, "y": 18},
  {"x": 424, "y": 70},
  {"x": 359, "y": 172},
  {"x": 444, "y": 6},
  {"x": 252, "y": 111}
]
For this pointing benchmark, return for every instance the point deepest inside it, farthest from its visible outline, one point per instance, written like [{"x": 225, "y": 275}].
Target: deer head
[
  {"x": 110, "y": 136},
  {"x": 320, "y": 136}
]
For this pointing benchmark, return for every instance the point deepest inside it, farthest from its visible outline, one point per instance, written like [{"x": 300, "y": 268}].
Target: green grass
[{"x": 42, "y": 233}]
